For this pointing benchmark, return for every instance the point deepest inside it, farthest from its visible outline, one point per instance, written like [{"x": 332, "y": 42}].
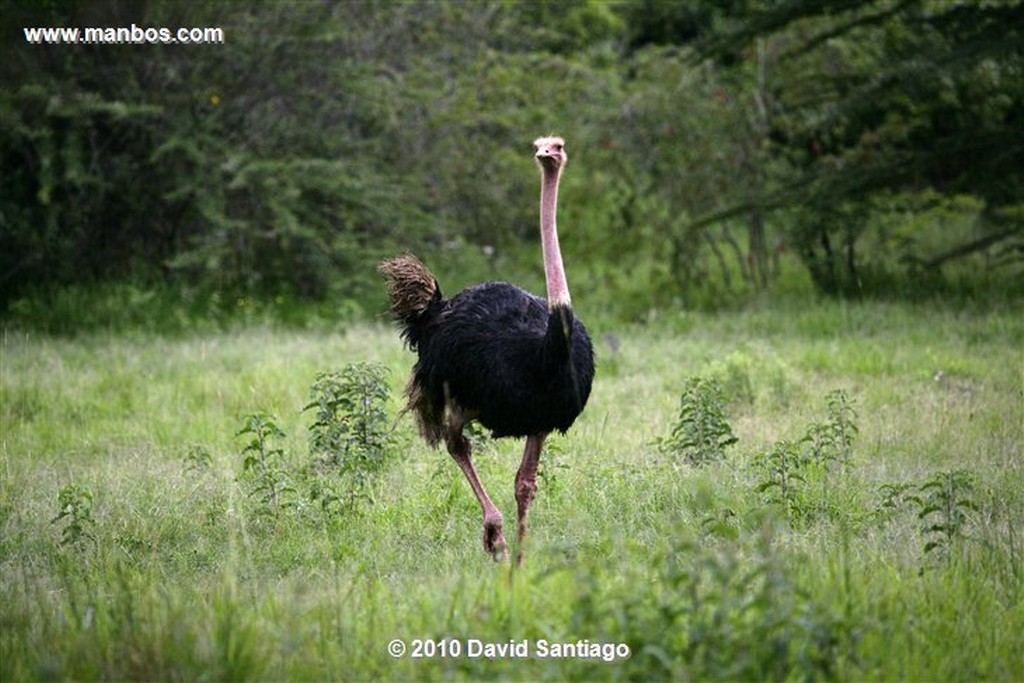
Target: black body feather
[{"x": 497, "y": 353}]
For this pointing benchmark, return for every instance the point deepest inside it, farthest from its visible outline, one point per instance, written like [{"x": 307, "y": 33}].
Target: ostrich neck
[{"x": 554, "y": 272}]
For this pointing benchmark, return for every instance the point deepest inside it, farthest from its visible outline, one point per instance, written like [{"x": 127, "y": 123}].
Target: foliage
[
  {"x": 263, "y": 463},
  {"x": 350, "y": 431},
  {"x": 722, "y": 612},
  {"x": 796, "y": 476},
  {"x": 553, "y": 467},
  {"x": 944, "y": 507},
  {"x": 716, "y": 146},
  {"x": 74, "y": 503},
  {"x": 170, "y": 166},
  {"x": 942, "y": 504},
  {"x": 197, "y": 459},
  {"x": 701, "y": 432},
  {"x": 868, "y": 98},
  {"x": 831, "y": 442},
  {"x": 783, "y": 475},
  {"x": 894, "y": 496}
]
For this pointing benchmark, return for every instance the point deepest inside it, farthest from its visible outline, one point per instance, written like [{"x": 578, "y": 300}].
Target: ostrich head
[{"x": 550, "y": 153}]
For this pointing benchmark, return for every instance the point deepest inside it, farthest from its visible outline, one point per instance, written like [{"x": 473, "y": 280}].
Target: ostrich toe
[{"x": 494, "y": 539}]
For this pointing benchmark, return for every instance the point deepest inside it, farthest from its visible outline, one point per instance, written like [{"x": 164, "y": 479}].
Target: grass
[{"x": 178, "y": 574}]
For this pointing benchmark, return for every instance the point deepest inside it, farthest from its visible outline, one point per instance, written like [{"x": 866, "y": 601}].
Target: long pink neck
[{"x": 554, "y": 272}]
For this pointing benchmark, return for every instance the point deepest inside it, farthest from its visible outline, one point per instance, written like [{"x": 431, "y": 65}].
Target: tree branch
[{"x": 971, "y": 247}]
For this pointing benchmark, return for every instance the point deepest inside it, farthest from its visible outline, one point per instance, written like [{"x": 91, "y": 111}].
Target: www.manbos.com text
[{"x": 123, "y": 35}]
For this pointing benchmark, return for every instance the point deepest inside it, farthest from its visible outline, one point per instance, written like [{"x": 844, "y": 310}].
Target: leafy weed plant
[
  {"x": 197, "y": 459},
  {"x": 349, "y": 433},
  {"x": 942, "y": 504},
  {"x": 551, "y": 465},
  {"x": 840, "y": 429},
  {"x": 783, "y": 476},
  {"x": 350, "y": 419},
  {"x": 894, "y": 496},
  {"x": 701, "y": 432},
  {"x": 263, "y": 462},
  {"x": 74, "y": 503},
  {"x": 795, "y": 475},
  {"x": 944, "y": 507}
]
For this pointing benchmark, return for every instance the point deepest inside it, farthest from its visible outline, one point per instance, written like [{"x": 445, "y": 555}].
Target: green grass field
[{"x": 133, "y": 548}]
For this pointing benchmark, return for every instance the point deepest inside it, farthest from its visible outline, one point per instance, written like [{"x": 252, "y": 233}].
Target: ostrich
[{"x": 520, "y": 365}]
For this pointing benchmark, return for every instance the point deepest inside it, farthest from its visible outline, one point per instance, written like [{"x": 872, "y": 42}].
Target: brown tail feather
[
  {"x": 412, "y": 290},
  {"x": 411, "y": 285}
]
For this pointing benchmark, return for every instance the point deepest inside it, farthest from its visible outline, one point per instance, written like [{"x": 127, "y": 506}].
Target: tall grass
[{"x": 696, "y": 568}]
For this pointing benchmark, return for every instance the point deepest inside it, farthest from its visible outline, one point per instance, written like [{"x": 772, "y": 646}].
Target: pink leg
[
  {"x": 494, "y": 539},
  {"x": 526, "y": 485}
]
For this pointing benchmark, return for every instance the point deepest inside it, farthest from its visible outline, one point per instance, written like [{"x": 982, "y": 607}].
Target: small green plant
[
  {"x": 480, "y": 437},
  {"x": 944, "y": 507},
  {"x": 349, "y": 432},
  {"x": 701, "y": 432},
  {"x": 842, "y": 424},
  {"x": 197, "y": 459},
  {"x": 829, "y": 444},
  {"x": 350, "y": 424},
  {"x": 795, "y": 475},
  {"x": 894, "y": 497},
  {"x": 723, "y": 523},
  {"x": 818, "y": 446},
  {"x": 74, "y": 504},
  {"x": 263, "y": 462},
  {"x": 782, "y": 475},
  {"x": 942, "y": 504}
]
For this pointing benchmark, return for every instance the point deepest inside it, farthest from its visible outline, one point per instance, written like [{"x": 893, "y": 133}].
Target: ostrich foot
[{"x": 494, "y": 539}]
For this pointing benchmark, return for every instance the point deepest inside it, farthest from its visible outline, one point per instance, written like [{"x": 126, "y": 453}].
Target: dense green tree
[
  {"x": 705, "y": 139},
  {"x": 314, "y": 140},
  {"x": 883, "y": 105},
  {"x": 259, "y": 165}
]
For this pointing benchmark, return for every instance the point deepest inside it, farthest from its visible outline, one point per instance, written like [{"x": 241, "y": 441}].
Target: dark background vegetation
[{"x": 718, "y": 151}]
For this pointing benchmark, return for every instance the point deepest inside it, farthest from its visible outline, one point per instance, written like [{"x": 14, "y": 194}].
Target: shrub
[
  {"x": 944, "y": 507},
  {"x": 701, "y": 432},
  {"x": 350, "y": 431},
  {"x": 74, "y": 504},
  {"x": 263, "y": 462}
]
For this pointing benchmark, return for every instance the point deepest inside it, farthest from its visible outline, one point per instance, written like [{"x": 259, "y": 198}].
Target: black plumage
[{"x": 498, "y": 353}]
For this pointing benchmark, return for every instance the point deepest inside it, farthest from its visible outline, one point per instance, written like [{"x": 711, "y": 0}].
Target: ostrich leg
[
  {"x": 494, "y": 539},
  {"x": 526, "y": 486}
]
